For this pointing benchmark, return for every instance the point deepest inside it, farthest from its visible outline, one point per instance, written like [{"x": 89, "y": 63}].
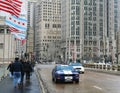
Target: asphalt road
[
  {"x": 90, "y": 82},
  {"x": 6, "y": 86}
]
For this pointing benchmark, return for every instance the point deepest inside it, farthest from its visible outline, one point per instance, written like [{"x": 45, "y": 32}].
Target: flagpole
[
  {"x": 20, "y": 49},
  {"x": 9, "y": 46},
  {"x": 4, "y": 51}
]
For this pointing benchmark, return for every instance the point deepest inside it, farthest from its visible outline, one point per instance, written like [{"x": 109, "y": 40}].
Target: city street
[
  {"x": 36, "y": 35},
  {"x": 90, "y": 82}
]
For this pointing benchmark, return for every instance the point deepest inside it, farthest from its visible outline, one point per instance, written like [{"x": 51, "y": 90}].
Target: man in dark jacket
[{"x": 17, "y": 70}]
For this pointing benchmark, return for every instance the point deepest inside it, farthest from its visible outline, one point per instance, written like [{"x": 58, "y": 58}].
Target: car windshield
[
  {"x": 65, "y": 68},
  {"x": 75, "y": 64}
]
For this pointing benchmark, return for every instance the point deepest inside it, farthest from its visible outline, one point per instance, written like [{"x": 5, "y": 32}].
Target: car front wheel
[
  {"x": 52, "y": 79},
  {"x": 77, "y": 81},
  {"x": 55, "y": 80}
]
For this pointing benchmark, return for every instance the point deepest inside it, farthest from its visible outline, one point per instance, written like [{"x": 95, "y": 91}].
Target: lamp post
[
  {"x": 90, "y": 50},
  {"x": 116, "y": 55}
]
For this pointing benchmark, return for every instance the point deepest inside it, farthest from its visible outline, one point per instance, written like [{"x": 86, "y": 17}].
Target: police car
[
  {"x": 78, "y": 66},
  {"x": 64, "y": 73}
]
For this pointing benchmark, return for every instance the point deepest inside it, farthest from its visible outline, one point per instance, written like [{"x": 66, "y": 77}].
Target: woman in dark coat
[
  {"x": 27, "y": 69},
  {"x": 10, "y": 69},
  {"x": 23, "y": 72}
]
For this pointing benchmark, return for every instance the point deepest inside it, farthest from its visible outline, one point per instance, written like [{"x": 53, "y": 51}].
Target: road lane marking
[{"x": 97, "y": 87}]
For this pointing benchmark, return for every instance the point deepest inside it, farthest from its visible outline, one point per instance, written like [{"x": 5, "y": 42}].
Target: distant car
[
  {"x": 78, "y": 66},
  {"x": 64, "y": 73}
]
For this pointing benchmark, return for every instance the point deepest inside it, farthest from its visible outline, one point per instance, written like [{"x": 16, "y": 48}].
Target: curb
[{"x": 43, "y": 88}]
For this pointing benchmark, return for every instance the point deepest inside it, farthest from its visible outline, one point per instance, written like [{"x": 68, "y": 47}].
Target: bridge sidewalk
[{"x": 6, "y": 86}]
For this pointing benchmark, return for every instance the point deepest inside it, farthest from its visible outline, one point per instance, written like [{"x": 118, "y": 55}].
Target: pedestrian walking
[
  {"x": 28, "y": 70},
  {"x": 17, "y": 70},
  {"x": 23, "y": 72},
  {"x": 10, "y": 69}
]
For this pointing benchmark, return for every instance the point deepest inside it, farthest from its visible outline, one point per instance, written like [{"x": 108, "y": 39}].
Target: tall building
[
  {"x": 112, "y": 26},
  {"x": 48, "y": 26},
  {"x": 30, "y": 28},
  {"x": 71, "y": 28},
  {"x": 88, "y": 28}
]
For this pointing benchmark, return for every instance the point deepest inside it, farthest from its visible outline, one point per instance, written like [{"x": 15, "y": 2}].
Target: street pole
[
  {"x": 4, "y": 51},
  {"x": 9, "y": 46}
]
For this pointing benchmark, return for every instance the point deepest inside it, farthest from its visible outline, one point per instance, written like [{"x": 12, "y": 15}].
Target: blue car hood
[{"x": 66, "y": 72}]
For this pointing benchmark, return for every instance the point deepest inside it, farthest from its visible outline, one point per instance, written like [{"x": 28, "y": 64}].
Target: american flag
[
  {"x": 23, "y": 41},
  {"x": 11, "y": 6}
]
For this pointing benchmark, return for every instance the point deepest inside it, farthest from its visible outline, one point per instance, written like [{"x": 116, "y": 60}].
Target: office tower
[
  {"x": 48, "y": 26},
  {"x": 30, "y": 28},
  {"x": 71, "y": 33},
  {"x": 88, "y": 28},
  {"x": 112, "y": 27}
]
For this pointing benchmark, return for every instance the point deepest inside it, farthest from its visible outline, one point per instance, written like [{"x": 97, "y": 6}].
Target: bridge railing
[{"x": 114, "y": 67}]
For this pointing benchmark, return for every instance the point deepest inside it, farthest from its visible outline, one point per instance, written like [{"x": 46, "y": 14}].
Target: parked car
[
  {"x": 64, "y": 73},
  {"x": 78, "y": 66}
]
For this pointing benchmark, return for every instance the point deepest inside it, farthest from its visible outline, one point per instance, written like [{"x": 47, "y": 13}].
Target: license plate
[{"x": 68, "y": 78}]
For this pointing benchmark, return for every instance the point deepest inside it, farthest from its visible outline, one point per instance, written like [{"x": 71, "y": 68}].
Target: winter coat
[
  {"x": 9, "y": 67},
  {"x": 27, "y": 67},
  {"x": 17, "y": 66}
]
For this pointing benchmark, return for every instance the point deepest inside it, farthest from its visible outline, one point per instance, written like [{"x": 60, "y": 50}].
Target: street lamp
[
  {"x": 90, "y": 50},
  {"x": 116, "y": 55}
]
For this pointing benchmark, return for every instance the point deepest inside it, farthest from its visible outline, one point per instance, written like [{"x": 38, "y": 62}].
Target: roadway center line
[{"x": 97, "y": 87}]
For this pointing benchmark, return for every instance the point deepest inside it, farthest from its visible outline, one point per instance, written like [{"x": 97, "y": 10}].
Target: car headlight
[{"x": 77, "y": 75}]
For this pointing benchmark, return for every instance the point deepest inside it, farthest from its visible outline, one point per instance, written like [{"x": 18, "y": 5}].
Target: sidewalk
[
  {"x": 3, "y": 71},
  {"x": 6, "y": 86}
]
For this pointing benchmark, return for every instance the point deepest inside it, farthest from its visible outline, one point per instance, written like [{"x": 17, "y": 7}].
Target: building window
[
  {"x": 54, "y": 26},
  {"x": 8, "y": 31},
  {"x": 1, "y": 45},
  {"x": 73, "y": 1},
  {"x": 1, "y": 30},
  {"x": 85, "y": 2},
  {"x": 46, "y": 26}
]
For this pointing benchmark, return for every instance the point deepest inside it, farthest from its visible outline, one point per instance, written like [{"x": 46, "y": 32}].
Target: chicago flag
[
  {"x": 17, "y": 23},
  {"x": 19, "y": 36}
]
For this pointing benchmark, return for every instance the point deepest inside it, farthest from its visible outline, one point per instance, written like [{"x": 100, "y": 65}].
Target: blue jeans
[{"x": 16, "y": 78}]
